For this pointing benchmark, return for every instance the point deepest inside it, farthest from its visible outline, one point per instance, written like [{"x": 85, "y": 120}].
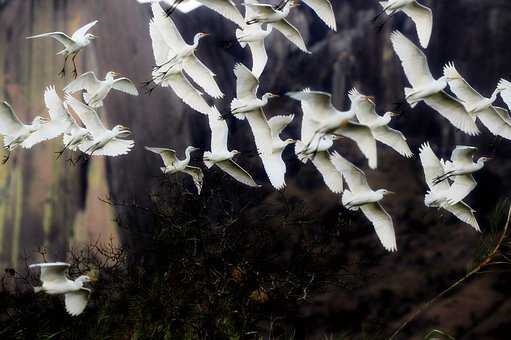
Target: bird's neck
[{"x": 188, "y": 155}]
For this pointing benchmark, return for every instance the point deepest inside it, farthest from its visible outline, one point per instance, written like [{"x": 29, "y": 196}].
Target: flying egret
[
  {"x": 361, "y": 196},
  {"x": 14, "y": 131},
  {"x": 438, "y": 194},
  {"x": 104, "y": 142},
  {"x": 55, "y": 282},
  {"x": 421, "y": 15},
  {"x": 254, "y": 36},
  {"x": 365, "y": 110},
  {"x": 72, "y": 45},
  {"x": 267, "y": 14},
  {"x": 246, "y": 101},
  {"x": 496, "y": 119},
  {"x": 461, "y": 167},
  {"x": 97, "y": 90},
  {"x": 220, "y": 154},
  {"x": 427, "y": 89},
  {"x": 175, "y": 165},
  {"x": 172, "y": 76},
  {"x": 327, "y": 120},
  {"x": 323, "y": 9},
  {"x": 505, "y": 93},
  {"x": 181, "y": 53}
]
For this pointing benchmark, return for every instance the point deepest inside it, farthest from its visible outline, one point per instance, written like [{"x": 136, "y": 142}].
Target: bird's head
[
  {"x": 385, "y": 192},
  {"x": 199, "y": 36},
  {"x": 121, "y": 131},
  {"x": 112, "y": 75},
  {"x": 484, "y": 159},
  {"x": 270, "y": 95},
  {"x": 83, "y": 279},
  {"x": 234, "y": 153},
  {"x": 289, "y": 141},
  {"x": 192, "y": 149}
]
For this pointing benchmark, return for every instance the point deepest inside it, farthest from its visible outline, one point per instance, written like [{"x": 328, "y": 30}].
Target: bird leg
[
  {"x": 75, "y": 72},
  {"x": 6, "y": 157},
  {"x": 252, "y": 21},
  {"x": 172, "y": 8},
  {"x": 61, "y": 152},
  {"x": 62, "y": 73},
  {"x": 158, "y": 67},
  {"x": 443, "y": 177}
]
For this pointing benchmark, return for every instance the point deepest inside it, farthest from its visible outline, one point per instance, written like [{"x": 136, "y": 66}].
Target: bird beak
[
  {"x": 275, "y": 95},
  {"x": 391, "y": 193},
  {"x": 115, "y": 74},
  {"x": 394, "y": 114},
  {"x": 204, "y": 34},
  {"x": 125, "y": 132}
]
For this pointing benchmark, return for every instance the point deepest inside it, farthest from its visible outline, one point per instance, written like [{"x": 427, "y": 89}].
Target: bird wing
[
  {"x": 365, "y": 110},
  {"x": 423, "y": 18},
  {"x": 54, "y": 104},
  {"x": 246, "y": 82},
  {"x": 382, "y": 223},
  {"x": 291, "y": 33},
  {"x": 226, "y": 8},
  {"x": 460, "y": 87},
  {"x": 460, "y": 188},
  {"x": 161, "y": 50},
  {"x": 261, "y": 131},
  {"x": 219, "y": 132},
  {"x": 9, "y": 121},
  {"x": 393, "y": 138},
  {"x": 331, "y": 176},
  {"x": 314, "y": 103},
  {"x": 259, "y": 10},
  {"x": 168, "y": 30},
  {"x": 202, "y": 75},
  {"x": 87, "y": 81},
  {"x": 432, "y": 168},
  {"x": 62, "y": 38},
  {"x": 323, "y": 8},
  {"x": 454, "y": 111},
  {"x": 463, "y": 155},
  {"x": 79, "y": 33},
  {"x": 231, "y": 168},
  {"x": 355, "y": 178},
  {"x": 464, "y": 213},
  {"x": 197, "y": 176},
  {"x": 168, "y": 155},
  {"x": 87, "y": 115},
  {"x": 52, "y": 272},
  {"x": 414, "y": 61},
  {"x": 259, "y": 57},
  {"x": 125, "y": 85},
  {"x": 115, "y": 147},
  {"x": 309, "y": 127},
  {"x": 76, "y": 301},
  {"x": 495, "y": 122},
  {"x": 506, "y": 92},
  {"x": 279, "y": 123},
  {"x": 187, "y": 92},
  {"x": 364, "y": 139},
  {"x": 275, "y": 168},
  {"x": 47, "y": 131}
]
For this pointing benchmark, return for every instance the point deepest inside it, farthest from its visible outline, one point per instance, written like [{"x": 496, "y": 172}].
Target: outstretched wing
[
  {"x": 364, "y": 138},
  {"x": 62, "y": 38},
  {"x": 86, "y": 81},
  {"x": 279, "y": 123},
  {"x": 460, "y": 87},
  {"x": 393, "y": 138},
  {"x": 9, "y": 121},
  {"x": 355, "y": 178},
  {"x": 197, "y": 176},
  {"x": 324, "y": 10},
  {"x": 125, "y": 85},
  {"x": 331, "y": 176},
  {"x": 116, "y": 147},
  {"x": 422, "y": 16},
  {"x": 460, "y": 188},
  {"x": 203, "y": 76},
  {"x": 83, "y": 30},
  {"x": 219, "y": 132},
  {"x": 187, "y": 92},
  {"x": 291, "y": 33},
  {"x": 226, "y": 8},
  {"x": 382, "y": 223},
  {"x": 87, "y": 115},
  {"x": 259, "y": 57},
  {"x": 231, "y": 168},
  {"x": 464, "y": 213},
  {"x": 168, "y": 155},
  {"x": 432, "y": 168},
  {"x": 76, "y": 301},
  {"x": 52, "y": 272}
]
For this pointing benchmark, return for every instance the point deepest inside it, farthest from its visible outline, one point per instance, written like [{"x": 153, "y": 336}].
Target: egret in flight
[
  {"x": 97, "y": 90},
  {"x": 55, "y": 282},
  {"x": 72, "y": 45},
  {"x": 220, "y": 154},
  {"x": 174, "y": 165},
  {"x": 439, "y": 192},
  {"x": 323, "y": 9},
  {"x": 428, "y": 89},
  {"x": 105, "y": 142},
  {"x": 14, "y": 131},
  {"x": 361, "y": 196},
  {"x": 505, "y": 93}
]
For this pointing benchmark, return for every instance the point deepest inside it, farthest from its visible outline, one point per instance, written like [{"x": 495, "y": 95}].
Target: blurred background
[{"x": 45, "y": 202}]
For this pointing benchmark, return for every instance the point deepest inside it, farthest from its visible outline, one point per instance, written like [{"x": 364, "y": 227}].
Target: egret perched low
[
  {"x": 361, "y": 196},
  {"x": 439, "y": 191},
  {"x": 72, "y": 45},
  {"x": 97, "y": 90},
  {"x": 55, "y": 282},
  {"x": 428, "y": 89},
  {"x": 327, "y": 120},
  {"x": 14, "y": 131},
  {"x": 421, "y": 15},
  {"x": 105, "y": 142},
  {"x": 220, "y": 154},
  {"x": 496, "y": 119},
  {"x": 365, "y": 110},
  {"x": 174, "y": 165},
  {"x": 461, "y": 167}
]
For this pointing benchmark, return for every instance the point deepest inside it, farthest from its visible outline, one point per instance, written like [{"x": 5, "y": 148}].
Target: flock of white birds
[{"x": 178, "y": 67}]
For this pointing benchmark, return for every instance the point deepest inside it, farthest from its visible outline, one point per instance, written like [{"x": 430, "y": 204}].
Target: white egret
[
  {"x": 438, "y": 194},
  {"x": 254, "y": 36},
  {"x": 72, "y": 45},
  {"x": 14, "y": 131},
  {"x": 421, "y": 15},
  {"x": 220, "y": 154},
  {"x": 246, "y": 101},
  {"x": 323, "y": 9},
  {"x": 267, "y": 14},
  {"x": 184, "y": 7},
  {"x": 104, "y": 142},
  {"x": 461, "y": 167},
  {"x": 327, "y": 120},
  {"x": 175, "y": 165},
  {"x": 427, "y": 89},
  {"x": 496, "y": 119},
  {"x": 97, "y": 90},
  {"x": 172, "y": 76},
  {"x": 361, "y": 196},
  {"x": 181, "y": 53},
  {"x": 505, "y": 93},
  {"x": 365, "y": 110},
  {"x": 55, "y": 282}
]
